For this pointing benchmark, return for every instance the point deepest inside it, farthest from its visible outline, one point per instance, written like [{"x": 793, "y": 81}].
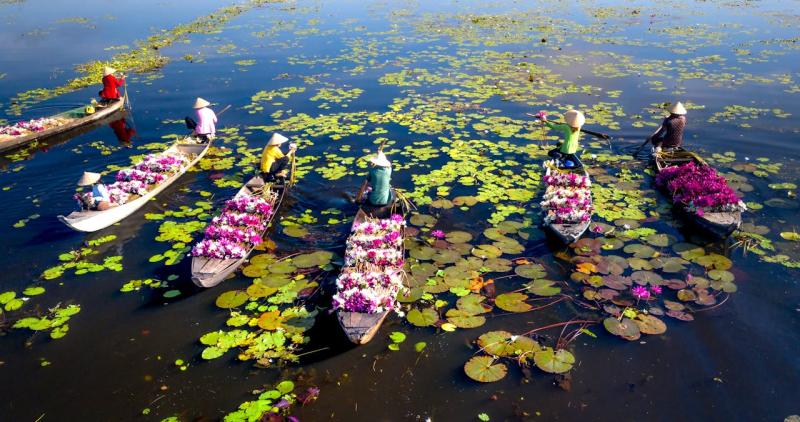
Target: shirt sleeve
[{"x": 213, "y": 115}]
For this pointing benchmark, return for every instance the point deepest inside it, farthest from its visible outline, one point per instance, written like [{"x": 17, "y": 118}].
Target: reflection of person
[
  {"x": 122, "y": 131},
  {"x": 670, "y": 134},
  {"x": 205, "y": 127},
  {"x": 571, "y": 133},
  {"x": 101, "y": 199},
  {"x": 274, "y": 164},
  {"x": 111, "y": 85},
  {"x": 380, "y": 180}
]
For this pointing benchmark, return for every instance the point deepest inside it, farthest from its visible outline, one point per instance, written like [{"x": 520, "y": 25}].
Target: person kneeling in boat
[
  {"x": 274, "y": 163},
  {"x": 205, "y": 126},
  {"x": 111, "y": 86},
  {"x": 380, "y": 181},
  {"x": 669, "y": 136},
  {"x": 100, "y": 199},
  {"x": 571, "y": 130}
]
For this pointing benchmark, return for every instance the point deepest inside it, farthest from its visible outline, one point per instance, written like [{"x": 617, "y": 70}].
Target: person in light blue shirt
[
  {"x": 101, "y": 199},
  {"x": 380, "y": 180}
]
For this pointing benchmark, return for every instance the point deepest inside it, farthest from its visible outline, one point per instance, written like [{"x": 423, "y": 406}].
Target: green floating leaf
[
  {"x": 554, "y": 361},
  {"x": 513, "y": 302},
  {"x": 543, "y": 288},
  {"x": 33, "y": 291},
  {"x": 420, "y": 346},
  {"x": 485, "y": 369},
  {"x": 463, "y": 319},
  {"x": 422, "y": 318},
  {"x": 503, "y": 344},
  {"x": 397, "y": 337},
  {"x": 232, "y": 299}
]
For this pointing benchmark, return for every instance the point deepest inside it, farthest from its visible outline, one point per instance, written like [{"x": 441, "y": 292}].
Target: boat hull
[{"x": 359, "y": 327}]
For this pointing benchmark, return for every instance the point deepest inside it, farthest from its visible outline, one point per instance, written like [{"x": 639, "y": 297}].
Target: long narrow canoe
[
  {"x": 719, "y": 224},
  {"x": 566, "y": 233},
  {"x": 69, "y": 120},
  {"x": 92, "y": 220},
  {"x": 361, "y": 327},
  {"x": 208, "y": 272}
]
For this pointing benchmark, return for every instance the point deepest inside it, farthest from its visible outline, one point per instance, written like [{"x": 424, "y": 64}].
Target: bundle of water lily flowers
[
  {"x": 374, "y": 259},
  {"x": 567, "y": 199},
  {"x": 233, "y": 233},
  {"x": 367, "y": 292},
  {"x": 35, "y": 125},
  {"x": 700, "y": 189},
  {"x": 162, "y": 163}
]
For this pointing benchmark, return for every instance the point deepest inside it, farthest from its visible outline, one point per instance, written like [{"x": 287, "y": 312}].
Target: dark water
[{"x": 734, "y": 362}]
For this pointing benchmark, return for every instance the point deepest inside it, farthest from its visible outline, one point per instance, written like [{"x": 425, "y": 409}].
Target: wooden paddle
[
  {"x": 589, "y": 132},
  {"x": 363, "y": 188},
  {"x": 646, "y": 141}
]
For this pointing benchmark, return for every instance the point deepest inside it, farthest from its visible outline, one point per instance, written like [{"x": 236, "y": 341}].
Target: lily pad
[
  {"x": 295, "y": 231},
  {"x": 649, "y": 324},
  {"x": 463, "y": 319},
  {"x": 485, "y": 369},
  {"x": 473, "y": 304},
  {"x": 423, "y": 220},
  {"x": 554, "y": 361},
  {"x": 504, "y": 344},
  {"x": 486, "y": 251},
  {"x": 232, "y": 299},
  {"x": 458, "y": 237},
  {"x": 513, "y": 302},
  {"x": 625, "y": 328},
  {"x": 542, "y": 287},
  {"x": 532, "y": 271},
  {"x": 422, "y": 318}
]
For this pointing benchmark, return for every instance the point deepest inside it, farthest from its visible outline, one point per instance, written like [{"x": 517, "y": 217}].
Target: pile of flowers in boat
[
  {"x": 30, "y": 126},
  {"x": 373, "y": 273},
  {"x": 232, "y": 234},
  {"x": 700, "y": 189},
  {"x": 567, "y": 199}
]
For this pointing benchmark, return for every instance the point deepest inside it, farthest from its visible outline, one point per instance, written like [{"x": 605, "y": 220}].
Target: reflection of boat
[
  {"x": 208, "y": 272},
  {"x": 719, "y": 224},
  {"x": 567, "y": 233},
  {"x": 69, "y": 120},
  {"x": 360, "y": 327},
  {"x": 91, "y": 220}
]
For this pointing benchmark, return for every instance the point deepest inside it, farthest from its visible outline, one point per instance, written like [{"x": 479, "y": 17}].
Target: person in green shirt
[
  {"x": 380, "y": 180},
  {"x": 571, "y": 134}
]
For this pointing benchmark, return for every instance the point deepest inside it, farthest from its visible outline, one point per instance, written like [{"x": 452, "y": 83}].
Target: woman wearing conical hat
[
  {"x": 99, "y": 199},
  {"x": 380, "y": 180},
  {"x": 670, "y": 134},
  {"x": 571, "y": 135},
  {"x": 111, "y": 85},
  {"x": 205, "y": 128},
  {"x": 274, "y": 163}
]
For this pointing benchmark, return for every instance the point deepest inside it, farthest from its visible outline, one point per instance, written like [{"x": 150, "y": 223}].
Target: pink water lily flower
[
  {"x": 438, "y": 234},
  {"x": 640, "y": 292}
]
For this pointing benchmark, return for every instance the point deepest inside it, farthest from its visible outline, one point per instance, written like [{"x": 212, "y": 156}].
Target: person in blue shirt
[
  {"x": 101, "y": 199},
  {"x": 380, "y": 180}
]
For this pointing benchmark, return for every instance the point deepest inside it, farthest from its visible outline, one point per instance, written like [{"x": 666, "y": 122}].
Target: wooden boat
[
  {"x": 92, "y": 220},
  {"x": 566, "y": 233},
  {"x": 361, "y": 327},
  {"x": 70, "y": 120},
  {"x": 208, "y": 272},
  {"x": 719, "y": 224}
]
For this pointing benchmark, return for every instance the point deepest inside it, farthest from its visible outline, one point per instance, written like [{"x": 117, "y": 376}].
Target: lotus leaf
[
  {"x": 542, "y": 287},
  {"x": 616, "y": 282},
  {"x": 683, "y": 316},
  {"x": 32, "y": 291},
  {"x": 473, "y": 304},
  {"x": 212, "y": 352},
  {"x": 458, "y": 237},
  {"x": 295, "y": 231},
  {"x": 611, "y": 244},
  {"x": 714, "y": 261},
  {"x": 639, "y": 264},
  {"x": 259, "y": 290},
  {"x": 687, "y": 295},
  {"x": 485, "y": 369},
  {"x": 274, "y": 280},
  {"x": 422, "y": 318},
  {"x": 314, "y": 259},
  {"x": 648, "y": 324},
  {"x": 254, "y": 271},
  {"x": 494, "y": 233},
  {"x": 504, "y": 344},
  {"x": 232, "y": 299},
  {"x": 486, "y": 251},
  {"x": 513, "y": 302},
  {"x": 462, "y": 319},
  {"x": 659, "y": 240},
  {"x": 282, "y": 267},
  {"x": 793, "y": 236},
  {"x": 446, "y": 256},
  {"x": 531, "y": 271},
  {"x": 467, "y": 201},
  {"x": 640, "y": 251},
  {"x": 442, "y": 203},
  {"x": 554, "y": 361},
  {"x": 496, "y": 265},
  {"x": 410, "y": 295},
  {"x": 647, "y": 277},
  {"x": 263, "y": 260},
  {"x": 422, "y": 253},
  {"x": 625, "y": 328},
  {"x": 423, "y": 220}
]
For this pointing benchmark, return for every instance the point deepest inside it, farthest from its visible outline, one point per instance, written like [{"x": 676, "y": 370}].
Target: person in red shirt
[{"x": 111, "y": 84}]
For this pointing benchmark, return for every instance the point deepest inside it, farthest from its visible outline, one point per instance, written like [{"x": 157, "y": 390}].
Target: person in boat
[
  {"x": 274, "y": 163},
  {"x": 571, "y": 133},
  {"x": 123, "y": 132},
  {"x": 380, "y": 180},
  {"x": 111, "y": 85},
  {"x": 100, "y": 199},
  {"x": 669, "y": 135},
  {"x": 205, "y": 127}
]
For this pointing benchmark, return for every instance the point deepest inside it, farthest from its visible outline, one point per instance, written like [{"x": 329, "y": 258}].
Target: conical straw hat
[
  {"x": 88, "y": 178},
  {"x": 200, "y": 103},
  {"x": 677, "y": 108},
  {"x": 108, "y": 70},
  {"x": 380, "y": 160},
  {"x": 574, "y": 118},
  {"x": 277, "y": 139}
]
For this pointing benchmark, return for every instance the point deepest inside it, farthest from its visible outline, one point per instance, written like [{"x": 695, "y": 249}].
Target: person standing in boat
[
  {"x": 205, "y": 127},
  {"x": 669, "y": 135},
  {"x": 380, "y": 180},
  {"x": 571, "y": 134},
  {"x": 274, "y": 163},
  {"x": 100, "y": 199},
  {"x": 111, "y": 85}
]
